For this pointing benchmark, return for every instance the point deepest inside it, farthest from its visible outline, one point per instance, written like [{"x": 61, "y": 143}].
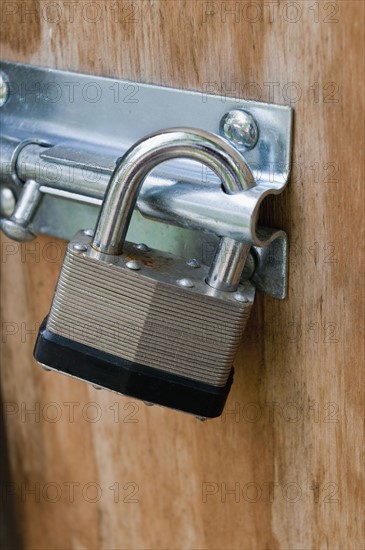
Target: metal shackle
[{"x": 127, "y": 179}]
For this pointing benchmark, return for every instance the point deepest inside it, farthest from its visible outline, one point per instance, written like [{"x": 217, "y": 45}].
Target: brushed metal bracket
[{"x": 65, "y": 131}]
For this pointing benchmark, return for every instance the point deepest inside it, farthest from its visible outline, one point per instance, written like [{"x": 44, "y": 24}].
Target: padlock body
[{"x": 139, "y": 333}]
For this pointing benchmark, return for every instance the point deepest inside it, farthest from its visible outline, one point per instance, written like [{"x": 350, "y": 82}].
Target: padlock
[{"x": 146, "y": 323}]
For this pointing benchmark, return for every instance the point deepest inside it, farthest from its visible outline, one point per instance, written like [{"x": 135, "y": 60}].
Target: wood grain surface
[{"x": 283, "y": 467}]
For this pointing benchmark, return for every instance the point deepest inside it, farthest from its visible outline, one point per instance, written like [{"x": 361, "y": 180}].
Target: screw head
[
  {"x": 240, "y": 128},
  {"x": 192, "y": 262},
  {"x": 143, "y": 247},
  {"x": 79, "y": 247},
  {"x": 4, "y": 89},
  {"x": 134, "y": 265},
  {"x": 187, "y": 283}
]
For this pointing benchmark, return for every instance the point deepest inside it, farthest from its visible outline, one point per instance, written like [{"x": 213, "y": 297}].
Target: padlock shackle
[{"x": 172, "y": 143}]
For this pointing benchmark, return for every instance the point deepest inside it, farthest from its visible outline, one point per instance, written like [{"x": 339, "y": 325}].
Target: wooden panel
[{"x": 292, "y": 449}]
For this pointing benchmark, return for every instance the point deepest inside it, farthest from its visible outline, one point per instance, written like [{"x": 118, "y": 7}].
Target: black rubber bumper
[{"x": 127, "y": 378}]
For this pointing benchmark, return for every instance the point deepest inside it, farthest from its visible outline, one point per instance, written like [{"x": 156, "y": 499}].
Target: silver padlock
[{"x": 146, "y": 323}]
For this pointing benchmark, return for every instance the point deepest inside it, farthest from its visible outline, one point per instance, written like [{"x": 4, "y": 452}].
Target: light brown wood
[{"x": 293, "y": 448}]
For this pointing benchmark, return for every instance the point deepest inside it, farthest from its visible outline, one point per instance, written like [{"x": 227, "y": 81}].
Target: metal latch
[{"x": 62, "y": 134}]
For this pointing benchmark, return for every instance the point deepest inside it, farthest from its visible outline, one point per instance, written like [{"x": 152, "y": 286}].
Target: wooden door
[{"x": 283, "y": 467}]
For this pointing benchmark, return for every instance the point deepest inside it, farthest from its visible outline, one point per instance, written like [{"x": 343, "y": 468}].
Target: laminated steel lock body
[{"x": 145, "y": 323}]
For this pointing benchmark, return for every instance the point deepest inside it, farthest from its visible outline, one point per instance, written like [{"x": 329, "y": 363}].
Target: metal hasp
[{"x": 62, "y": 134}]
